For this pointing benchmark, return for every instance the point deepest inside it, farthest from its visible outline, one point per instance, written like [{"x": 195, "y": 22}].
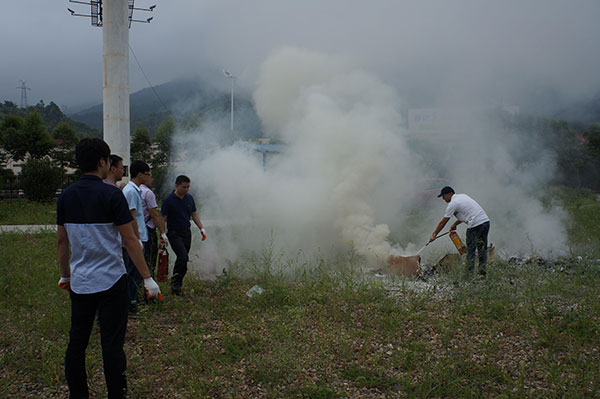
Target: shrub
[
  {"x": 7, "y": 177},
  {"x": 40, "y": 179}
]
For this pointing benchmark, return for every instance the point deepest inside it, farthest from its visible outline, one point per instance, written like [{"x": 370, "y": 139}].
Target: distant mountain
[
  {"x": 189, "y": 101},
  {"x": 51, "y": 115}
]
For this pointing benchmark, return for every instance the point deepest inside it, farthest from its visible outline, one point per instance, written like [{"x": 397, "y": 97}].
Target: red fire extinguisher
[
  {"x": 457, "y": 242},
  {"x": 163, "y": 265}
]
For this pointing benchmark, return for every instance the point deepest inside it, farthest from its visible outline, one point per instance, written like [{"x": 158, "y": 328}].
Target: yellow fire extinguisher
[{"x": 457, "y": 242}]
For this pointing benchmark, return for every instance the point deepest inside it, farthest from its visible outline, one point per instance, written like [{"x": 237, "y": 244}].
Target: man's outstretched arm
[{"x": 439, "y": 228}]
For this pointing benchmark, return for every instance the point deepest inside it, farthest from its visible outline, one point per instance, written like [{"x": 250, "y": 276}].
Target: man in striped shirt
[{"x": 90, "y": 217}]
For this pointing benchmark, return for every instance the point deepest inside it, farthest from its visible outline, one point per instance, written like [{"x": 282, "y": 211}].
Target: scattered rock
[{"x": 254, "y": 291}]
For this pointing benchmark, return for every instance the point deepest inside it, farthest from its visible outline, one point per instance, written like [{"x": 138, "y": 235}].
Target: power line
[
  {"x": 24, "y": 89},
  {"x": 148, "y": 80}
]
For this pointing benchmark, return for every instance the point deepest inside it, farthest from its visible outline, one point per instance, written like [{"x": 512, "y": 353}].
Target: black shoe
[
  {"x": 133, "y": 307},
  {"x": 177, "y": 291},
  {"x": 133, "y": 313},
  {"x": 133, "y": 316}
]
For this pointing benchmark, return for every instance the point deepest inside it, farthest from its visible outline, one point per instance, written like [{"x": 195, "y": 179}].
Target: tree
[
  {"x": 11, "y": 121},
  {"x": 40, "y": 179},
  {"x": 140, "y": 145},
  {"x": 7, "y": 177},
  {"x": 162, "y": 157},
  {"x": 592, "y": 137},
  {"x": 10, "y": 128},
  {"x": 31, "y": 138},
  {"x": 193, "y": 124},
  {"x": 66, "y": 139},
  {"x": 11, "y": 133},
  {"x": 38, "y": 140},
  {"x": 162, "y": 138}
]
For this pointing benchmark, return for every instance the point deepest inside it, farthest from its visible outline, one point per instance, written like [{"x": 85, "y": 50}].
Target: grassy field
[
  {"x": 22, "y": 211},
  {"x": 528, "y": 330},
  {"x": 584, "y": 208}
]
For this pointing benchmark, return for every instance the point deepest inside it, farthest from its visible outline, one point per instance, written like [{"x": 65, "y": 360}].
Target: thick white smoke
[
  {"x": 347, "y": 174},
  {"x": 344, "y": 152},
  {"x": 511, "y": 194},
  {"x": 345, "y": 132}
]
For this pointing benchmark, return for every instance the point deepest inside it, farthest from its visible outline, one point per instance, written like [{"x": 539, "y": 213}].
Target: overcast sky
[{"x": 447, "y": 50}]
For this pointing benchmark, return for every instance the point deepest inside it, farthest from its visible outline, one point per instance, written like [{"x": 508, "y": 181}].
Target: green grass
[
  {"x": 529, "y": 331},
  {"x": 21, "y": 211},
  {"x": 524, "y": 332},
  {"x": 584, "y": 211}
]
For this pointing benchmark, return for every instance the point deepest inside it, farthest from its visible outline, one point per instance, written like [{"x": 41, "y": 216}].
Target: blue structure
[{"x": 266, "y": 149}]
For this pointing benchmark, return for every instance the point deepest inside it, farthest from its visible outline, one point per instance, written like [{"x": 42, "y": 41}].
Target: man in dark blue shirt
[
  {"x": 90, "y": 217},
  {"x": 177, "y": 210}
]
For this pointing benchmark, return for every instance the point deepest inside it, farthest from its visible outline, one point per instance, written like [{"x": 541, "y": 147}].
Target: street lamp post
[{"x": 230, "y": 76}]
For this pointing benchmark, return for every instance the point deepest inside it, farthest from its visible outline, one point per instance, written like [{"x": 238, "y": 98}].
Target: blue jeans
[
  {"x": 181, "y": 242},
  {"x": 111, "y": 307},
  {"x": 477, "y": 239}
]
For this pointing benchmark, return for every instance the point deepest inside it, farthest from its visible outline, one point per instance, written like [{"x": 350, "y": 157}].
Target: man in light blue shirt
[{"x": 140, "y": 174}]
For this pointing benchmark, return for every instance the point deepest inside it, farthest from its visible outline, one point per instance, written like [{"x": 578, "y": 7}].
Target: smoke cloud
[{"x": 351, "y": 176}]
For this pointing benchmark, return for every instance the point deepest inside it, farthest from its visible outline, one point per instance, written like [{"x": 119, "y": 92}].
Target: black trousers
[
  {"x": 181, "y": 242},
  {"x": 111, "y": 307},
  {"x": 477, "y": 239},
  {"x": 134, "y": 281},
  {"x": 151, "y": 250}
]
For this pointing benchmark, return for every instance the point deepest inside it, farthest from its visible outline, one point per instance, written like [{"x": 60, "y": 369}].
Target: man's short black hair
[
  {"x": 88, "y": 153},
  {"x": 138, "y": 167},
  {"x": 182, "y": 179},
  {"x": 115, "y": 159},
  {"x": 446, "y": 190}
]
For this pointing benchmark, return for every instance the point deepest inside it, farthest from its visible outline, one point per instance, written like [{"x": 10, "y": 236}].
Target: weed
[
  {"x": 237, "y": 346},
  {"x": 369, "y": 378},
  {"x": 318, "y": 391}
]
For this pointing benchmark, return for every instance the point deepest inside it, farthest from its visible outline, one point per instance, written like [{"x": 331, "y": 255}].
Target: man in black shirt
[{"x": 177, "y": 209}]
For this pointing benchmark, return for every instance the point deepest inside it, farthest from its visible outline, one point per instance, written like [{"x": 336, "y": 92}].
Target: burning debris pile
[
  {"x": 557, "y": 265},
  {"x": 411, "y": 266}
]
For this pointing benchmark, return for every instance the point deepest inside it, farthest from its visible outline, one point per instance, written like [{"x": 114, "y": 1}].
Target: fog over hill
[
  {"x": 189, "y": 100},
  {"x": 198, "y": 98}
]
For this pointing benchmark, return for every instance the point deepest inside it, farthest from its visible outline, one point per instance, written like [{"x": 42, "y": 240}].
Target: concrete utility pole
[
  {"x": 115, "y": 18},
  {"x": 115, "y": 86}
]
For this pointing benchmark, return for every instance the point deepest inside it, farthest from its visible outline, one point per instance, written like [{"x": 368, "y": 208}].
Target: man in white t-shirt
[{"x": 467, "y": 210}]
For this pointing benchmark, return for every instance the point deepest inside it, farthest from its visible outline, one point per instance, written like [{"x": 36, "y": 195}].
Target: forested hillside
[{"x": 51, "y": 116}]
